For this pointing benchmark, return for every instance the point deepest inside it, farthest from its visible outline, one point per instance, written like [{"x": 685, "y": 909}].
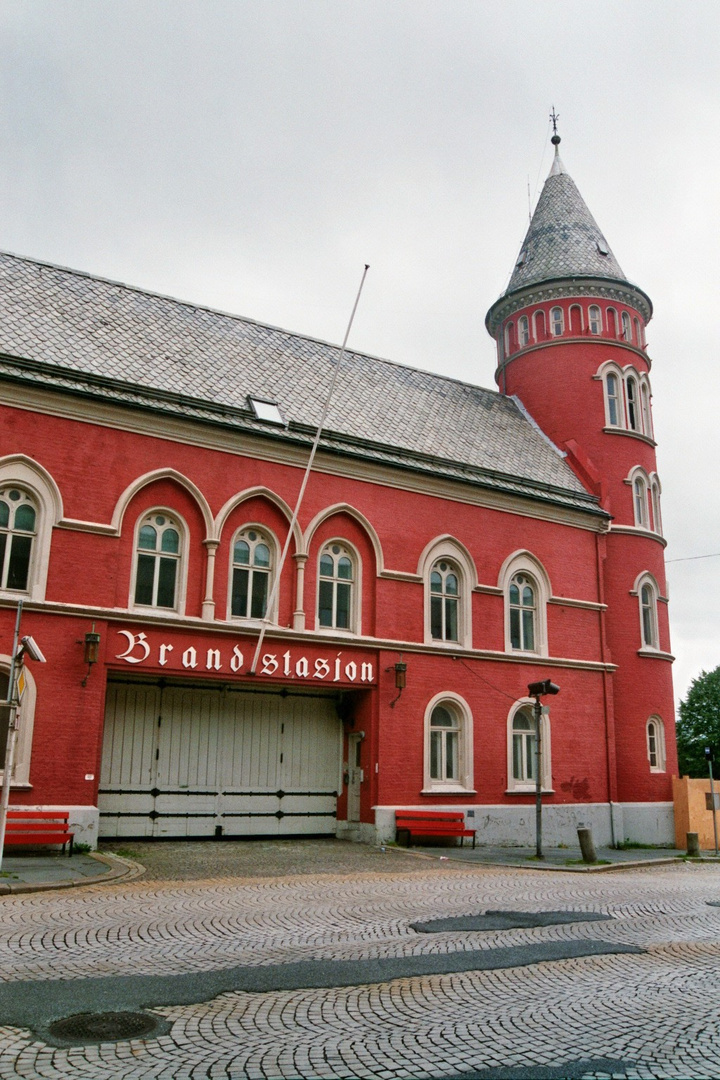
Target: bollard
[
  {"x": 587, "y": 846},
  {"x": 693, "y": 845}
]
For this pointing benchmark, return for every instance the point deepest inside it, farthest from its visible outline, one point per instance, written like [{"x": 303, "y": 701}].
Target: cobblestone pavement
[{"x": 208, "y": 908}]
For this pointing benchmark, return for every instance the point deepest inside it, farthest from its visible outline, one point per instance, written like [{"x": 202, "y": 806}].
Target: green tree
[{"x": 698, "y": 725}]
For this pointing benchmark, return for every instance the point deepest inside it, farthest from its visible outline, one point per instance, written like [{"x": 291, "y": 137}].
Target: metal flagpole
[
  {"x": 12, "y": 707},
  {"x": 276, "y": 582}
]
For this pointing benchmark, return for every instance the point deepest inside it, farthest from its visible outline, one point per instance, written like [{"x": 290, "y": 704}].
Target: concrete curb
[
  {"x": 636, "y": 864},
  {"x": 119, "y": 869}
]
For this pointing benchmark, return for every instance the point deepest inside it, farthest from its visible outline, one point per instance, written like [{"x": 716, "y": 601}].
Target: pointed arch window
[
  {"x": 158, "y": 561},
  {"x": 252, "y": 570},
  {"x": 557, "y": 321},
  {"x": 445, "y": 601},
  {"x": 336, "y": 586},
  {"x": 522, "y": 601},
  {"x": 594, "y": 319},
  {"x": 18, "y": 529}
]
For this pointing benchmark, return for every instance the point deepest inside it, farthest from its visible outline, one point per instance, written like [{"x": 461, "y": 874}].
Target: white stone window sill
[{"x": 529, "y": 790}]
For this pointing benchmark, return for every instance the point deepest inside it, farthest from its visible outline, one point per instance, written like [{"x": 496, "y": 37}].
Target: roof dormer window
[
  {"x": 265, "y": 409},
  {"x": 602, "y": 248}
]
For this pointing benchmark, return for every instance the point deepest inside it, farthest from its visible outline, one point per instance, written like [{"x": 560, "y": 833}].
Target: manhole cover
[{"x": 103, "y": 1027}]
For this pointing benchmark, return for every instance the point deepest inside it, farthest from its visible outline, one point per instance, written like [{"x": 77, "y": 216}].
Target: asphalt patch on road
[
  {"x": 569, "y": 1070},
  {"x": 35, "y": 1004},
  {"x": 507, "y": 920}
]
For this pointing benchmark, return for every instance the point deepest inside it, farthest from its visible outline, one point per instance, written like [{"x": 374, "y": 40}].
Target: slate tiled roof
[
  {"x": 87, "y": 335},
  {"x": 564, "y": 239}
]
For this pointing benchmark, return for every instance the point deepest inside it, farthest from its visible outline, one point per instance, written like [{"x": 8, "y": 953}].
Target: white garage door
[{"x": 181, "y": 761}]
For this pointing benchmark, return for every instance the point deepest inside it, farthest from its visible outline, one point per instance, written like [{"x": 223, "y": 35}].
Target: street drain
[{"x": 103, "y": 1027}]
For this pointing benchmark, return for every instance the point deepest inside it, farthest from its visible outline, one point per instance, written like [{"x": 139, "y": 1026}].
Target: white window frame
[
  {"x": 271, "y": 615},
  {"x": 355, "y": 612},
  {"x": 655, "y": 740},
  {"x": 14, "y": 496},
  {"x": 633, "y": 407},
  {"x": 655, "y": 492},
  {"x": 526, "y": 563},
  {"x": 515, "y": 784},
  {"x": 645, "y": 410},
  {"x": 556, "y": 321},
  {"x": 640, "y": 499},
  {"x": 459, "y": 708},
  {"x": 617, "y": 399},
  {"x": 523, "y": 331},
  {"x": 443, "y": 568},
  {"x": 23, "y": 745},
  {"x": 646, "y": 588},
  {"x": 446, "y": 548},
  {"x": 181, "y": 578},
  {"x": 595, "y": 321},
  {"x": 626, "y": 327},
  {"x": 17, "y": 470}
]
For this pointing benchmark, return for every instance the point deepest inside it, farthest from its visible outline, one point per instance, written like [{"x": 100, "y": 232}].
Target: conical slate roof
[{"x": 564, "y": 240}]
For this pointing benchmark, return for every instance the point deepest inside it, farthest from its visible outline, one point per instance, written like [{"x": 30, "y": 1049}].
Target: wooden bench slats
[
  {"x": 28, "y": 827},
  {"x": 432, "y": 823}
]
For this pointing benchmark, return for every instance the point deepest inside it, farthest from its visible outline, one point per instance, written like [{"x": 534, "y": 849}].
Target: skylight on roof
[
  {"x": 269, "y": 411},
  {"x": 602, "y": 249}
]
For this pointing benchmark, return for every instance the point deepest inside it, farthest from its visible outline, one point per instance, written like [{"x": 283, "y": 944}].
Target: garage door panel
[{"x": 252, "y": 764}]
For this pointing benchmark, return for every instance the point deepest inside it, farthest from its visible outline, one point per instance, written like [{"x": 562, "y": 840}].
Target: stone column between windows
[
  {"x": 208, "y": 605},
  {"x": 299, "y": 612}
]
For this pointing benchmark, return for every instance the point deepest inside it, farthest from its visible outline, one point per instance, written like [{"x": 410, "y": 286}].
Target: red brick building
[{"x": 151, "y": 454}]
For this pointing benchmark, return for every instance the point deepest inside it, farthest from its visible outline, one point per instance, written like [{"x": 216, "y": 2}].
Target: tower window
[
  {"x": 594, "y": 319},
  {"x": 632, "y": 404},
  {"x": 626, "y": 327},
  {"x": 557, "y": 323},
  {"x": 612, "y": 384},
  {"x": 523, "y": 331}
]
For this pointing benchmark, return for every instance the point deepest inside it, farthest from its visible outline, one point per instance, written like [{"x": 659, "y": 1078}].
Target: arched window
[
  {"x": 638, "y": 332},
  {"x": 448, "y": 745},
  {"x": 633, "y": 414},
  {"x": 336, "y": 582},
  {"x": 647, "y": 593},
  {"x": 252, "y": 567},
  {"x": 158, "y": 561},
  {"x": 656, "y": 744},
  {"x": 522, "y": 749},
  {"x": 612, "y": 397},
  {"x": 444, "y": 601},
  {"x": 557, "y": 321},
  {"x": 540, "y": 334},
  {"x": 523, "y": 331},
  {"x": 626, "y": 327},
  {"x": 576, "y": 319},
  {"x": 640, "y": 502},
  {"x": 645, "y": 408},
  {"x": 18, "y": 527},
  {"x": 655, "y": 501},
  {"x": 522, "y": 603},
  {"x": 612, "y": 321},
  {"x": 510, "y": 338},
  {"x": 594, "y": 319}
]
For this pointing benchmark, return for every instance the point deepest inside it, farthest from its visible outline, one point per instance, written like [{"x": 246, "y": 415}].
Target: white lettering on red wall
[{"x": 291, "y": 664}]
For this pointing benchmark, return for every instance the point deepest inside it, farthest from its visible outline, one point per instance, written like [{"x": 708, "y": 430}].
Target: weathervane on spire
[{"x": 554, "y": 118}]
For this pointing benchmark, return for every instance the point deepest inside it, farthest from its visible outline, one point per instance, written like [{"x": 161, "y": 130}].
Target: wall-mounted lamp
[
  {"x": 400, "y": 670},
  {"x": 91, "y": 651}
]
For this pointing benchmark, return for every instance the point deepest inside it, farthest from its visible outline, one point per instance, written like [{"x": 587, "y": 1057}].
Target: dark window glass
[
  {"x": 240, "y": 593},
  {"x": 325, "y": 599},
  {"x": 19, "y": 562},
  {"x": 144, "y": 580},
  {"x": 166, "y": 583}
]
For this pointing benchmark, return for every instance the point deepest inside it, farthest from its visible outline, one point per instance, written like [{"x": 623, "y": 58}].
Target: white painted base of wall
[
  {"x": 83, "y": 821},
  {"x": 514, "y": 826},
  {"x": 359, "y": 831}
]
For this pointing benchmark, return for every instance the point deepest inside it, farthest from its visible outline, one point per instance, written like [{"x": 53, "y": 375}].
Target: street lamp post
[{"x": 538, "y": 690}]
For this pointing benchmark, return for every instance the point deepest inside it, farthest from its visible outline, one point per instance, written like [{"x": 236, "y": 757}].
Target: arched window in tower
[
  {"x": 655, "y": 502},
  {"x": 540, "y": 334},
  {"x": 510, "y": 344},
  {"x": 18, "y": 518},
  {"x": 626, "y": 327},
  {"x": 251, "y": 574},
  {"x": 523, "y": 331},
  {"x": 645, "y": 407},
  {"x": 612, "y": 320},
  {"x": 640, "y": 502},
  {"x": 594, "y": 319},
  {"x": 656, "y": 744},
  {"x": 557, "y": 322},
  {"x": 638, "y": 332},
  {"x": 612, "y": 388},
  {"x": 444, "y": 601},
  {"x": 631, "y": 393},
  {"x": 648, "y": 613},
  {"x": 576, "y": 323},
  {"x": 522, "y": 600}
]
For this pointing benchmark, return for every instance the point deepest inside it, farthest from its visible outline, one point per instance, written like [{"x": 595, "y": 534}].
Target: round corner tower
[{"x": 570, "y": 333}]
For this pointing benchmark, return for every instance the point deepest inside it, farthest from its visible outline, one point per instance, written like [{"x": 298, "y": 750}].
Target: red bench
[
  {"x": 29, "y": 827},
  {"x": 431, "y": 823}
]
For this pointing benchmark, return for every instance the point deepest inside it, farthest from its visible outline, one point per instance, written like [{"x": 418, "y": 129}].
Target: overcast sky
[{"x": 252, "y": 155}]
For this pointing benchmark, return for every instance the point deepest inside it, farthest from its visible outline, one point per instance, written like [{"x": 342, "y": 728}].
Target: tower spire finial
[{"x": 555, "y": 137}]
